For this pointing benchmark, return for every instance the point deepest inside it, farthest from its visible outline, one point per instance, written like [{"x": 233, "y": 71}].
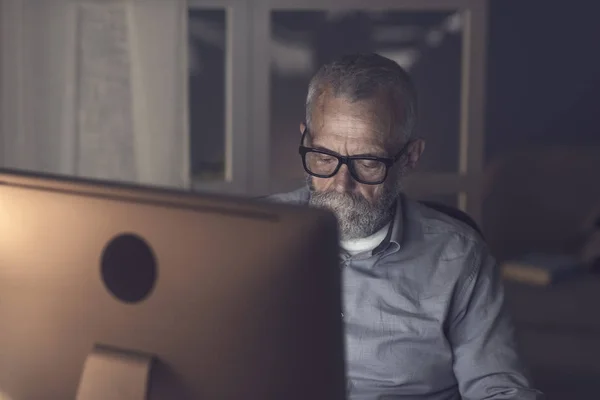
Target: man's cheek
[{"x": 321, "y": 184}]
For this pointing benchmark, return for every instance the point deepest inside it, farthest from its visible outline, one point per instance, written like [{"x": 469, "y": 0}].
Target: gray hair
[{"x": 365, "y": 76}]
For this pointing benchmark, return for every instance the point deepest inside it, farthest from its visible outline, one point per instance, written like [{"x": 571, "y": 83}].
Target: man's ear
[
  {"x": 302, "y": 127},
  {"x": 414, "y": 151}
]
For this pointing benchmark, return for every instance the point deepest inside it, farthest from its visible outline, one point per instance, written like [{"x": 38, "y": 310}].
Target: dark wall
[
  {"x": 544, "y": 57},
  {"x": 543, "y": 135}
]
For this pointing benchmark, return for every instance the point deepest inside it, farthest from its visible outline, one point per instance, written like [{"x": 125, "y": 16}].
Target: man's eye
[
  {"x": 369, "y": 164},
  {"x": 323, "y": 159}
]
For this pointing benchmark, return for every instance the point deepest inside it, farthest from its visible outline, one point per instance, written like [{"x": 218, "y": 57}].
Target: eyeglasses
[{"x": 368, "y": 170}]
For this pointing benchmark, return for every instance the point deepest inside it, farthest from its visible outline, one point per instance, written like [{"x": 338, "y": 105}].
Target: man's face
[{"x": 359, "y": 128}]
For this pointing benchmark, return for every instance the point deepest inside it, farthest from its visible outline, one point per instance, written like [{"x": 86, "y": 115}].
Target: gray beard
[{"x": 357, "y": 217}]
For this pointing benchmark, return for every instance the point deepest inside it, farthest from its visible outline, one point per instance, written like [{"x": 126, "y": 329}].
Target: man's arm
[{"x": 486, "y": 362}]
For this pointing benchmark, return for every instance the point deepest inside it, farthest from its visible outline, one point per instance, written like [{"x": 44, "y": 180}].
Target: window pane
[
  {"x": 427, "y": 44},
  {"x": 207, "y": 60}
]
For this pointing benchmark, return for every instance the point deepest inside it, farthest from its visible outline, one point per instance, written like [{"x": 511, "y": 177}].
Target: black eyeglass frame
[{"x": 346, "y": 160}]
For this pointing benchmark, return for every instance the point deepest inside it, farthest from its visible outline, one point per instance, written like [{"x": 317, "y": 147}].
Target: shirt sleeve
[{"x": 486, "y": 361}]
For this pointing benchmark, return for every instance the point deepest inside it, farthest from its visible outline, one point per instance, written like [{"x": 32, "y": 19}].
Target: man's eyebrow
[
  {"x": 374, "y": 153},
  {"x": 379, "y": 154},
  {"x": 323, "y": 148}
]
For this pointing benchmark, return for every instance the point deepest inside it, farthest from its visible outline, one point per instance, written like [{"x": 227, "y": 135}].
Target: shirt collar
[{"x": 393, "y": 242}]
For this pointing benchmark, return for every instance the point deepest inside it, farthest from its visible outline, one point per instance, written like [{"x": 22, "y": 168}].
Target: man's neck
[{"x": 370, "y": 243}]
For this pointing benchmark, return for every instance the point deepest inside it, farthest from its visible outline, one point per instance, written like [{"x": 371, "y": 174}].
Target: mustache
[
  {"x": 340, "y": 199},
  {"x": 357, "y": 216}
]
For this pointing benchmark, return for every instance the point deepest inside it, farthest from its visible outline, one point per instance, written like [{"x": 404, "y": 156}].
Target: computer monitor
[{"x": 118, "y": 292}]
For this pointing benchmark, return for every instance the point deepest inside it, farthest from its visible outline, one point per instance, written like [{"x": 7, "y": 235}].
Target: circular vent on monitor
[{"x": 128, "y": 268}]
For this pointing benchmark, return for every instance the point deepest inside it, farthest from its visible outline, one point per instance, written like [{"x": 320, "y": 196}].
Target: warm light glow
[
  {"x": 405, "y": 58},
  {"x": 7, "y": 224},
  {"x": 15, "y": 234},
  {"x": 292, "y": 59},
  {"x": 454, "y": 23},
  {"x": 4, "y": 396},
  {"x": 434, "y": 37}
]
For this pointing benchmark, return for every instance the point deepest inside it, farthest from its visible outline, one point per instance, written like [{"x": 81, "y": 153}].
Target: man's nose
[{"x": 343, "y": 181}]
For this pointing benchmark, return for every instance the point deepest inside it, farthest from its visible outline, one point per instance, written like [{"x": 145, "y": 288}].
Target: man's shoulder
[
  {"x": 442, "y": 219},
  {"x": 437, "y": 252},
  {"x": 455, "y": 231},
  {"x": 298, "y": 196}
]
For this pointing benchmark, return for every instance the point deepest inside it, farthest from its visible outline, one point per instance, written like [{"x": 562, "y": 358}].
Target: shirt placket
[
  {"x": 344, "y": 262},
  {"x": 367, "y": 260}
]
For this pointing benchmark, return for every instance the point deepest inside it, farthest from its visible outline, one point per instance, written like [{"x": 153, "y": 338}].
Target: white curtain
[
  {"x": 34, "y": 47},
  {"x": 160, "y": 71},
  {"x": 96, "y": 89}
]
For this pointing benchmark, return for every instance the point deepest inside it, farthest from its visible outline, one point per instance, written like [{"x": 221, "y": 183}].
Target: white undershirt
[{"x": 370, "y": 243}]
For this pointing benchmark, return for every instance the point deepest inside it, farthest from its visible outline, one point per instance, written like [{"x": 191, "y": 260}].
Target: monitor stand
[{"x": 115, "y": 374}]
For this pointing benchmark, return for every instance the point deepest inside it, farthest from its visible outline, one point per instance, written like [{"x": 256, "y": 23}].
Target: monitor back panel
[{"x": 245, "y": 303}]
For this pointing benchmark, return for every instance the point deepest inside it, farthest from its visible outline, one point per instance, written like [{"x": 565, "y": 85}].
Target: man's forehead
[
  {"x": 369, "y": 119},
  {"x": 328, "y": 104}
]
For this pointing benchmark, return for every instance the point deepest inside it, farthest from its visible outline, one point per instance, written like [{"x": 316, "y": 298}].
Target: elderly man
[{"x": 424, "y": 308}]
